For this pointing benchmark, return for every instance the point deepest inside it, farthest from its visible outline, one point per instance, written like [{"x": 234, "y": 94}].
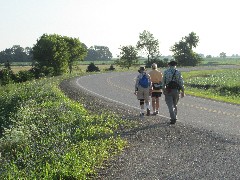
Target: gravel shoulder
[{"x": 158, "y": 150}]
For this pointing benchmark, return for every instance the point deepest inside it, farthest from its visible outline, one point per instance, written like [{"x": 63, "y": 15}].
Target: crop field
[
  {"x": 221, "y": 85},
  {"x": 220, "y": 61}
]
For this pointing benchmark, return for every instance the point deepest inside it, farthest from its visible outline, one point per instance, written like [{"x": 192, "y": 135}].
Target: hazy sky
[{"x": 116, "y": 23}]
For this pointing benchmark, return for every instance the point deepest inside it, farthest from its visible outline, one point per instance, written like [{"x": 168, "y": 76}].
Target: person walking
[
  {"x": 156, "y": 79},
  {"x": 173, "y": 86},
  {"x": 142, "y": 86}
]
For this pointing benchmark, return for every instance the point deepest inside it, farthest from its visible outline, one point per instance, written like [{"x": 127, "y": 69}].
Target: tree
[
  {"x": 192, "y": 40},
  {"x": 148, "y": 44},
  {"x": 128, "y": 57},
  {"x": 57, "y": 52},
  {"x": 98, "y": 53},
  {"x": 183, "y": 53},
  {"x": 76, "y": 51},
  {"x": 223, "y": 55},
  {"x": 16, "y": 54}
]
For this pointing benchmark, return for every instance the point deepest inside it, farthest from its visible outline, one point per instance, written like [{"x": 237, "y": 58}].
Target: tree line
[{"x": 54, "y": 55}]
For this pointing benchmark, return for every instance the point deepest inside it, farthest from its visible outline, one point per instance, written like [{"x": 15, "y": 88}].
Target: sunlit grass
[
  {"x": 220, "y": 85},
  {"x": 49, "y": 136}
]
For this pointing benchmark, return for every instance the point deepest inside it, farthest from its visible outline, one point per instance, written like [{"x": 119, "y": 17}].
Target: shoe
[
  {"x": 156, "y": 112},
  {"x": 173, "y": 121},
  {"x": 148, "y": 112}
]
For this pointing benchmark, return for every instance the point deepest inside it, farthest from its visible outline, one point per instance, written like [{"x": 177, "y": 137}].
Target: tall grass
[{"x": 48, "y": 136}]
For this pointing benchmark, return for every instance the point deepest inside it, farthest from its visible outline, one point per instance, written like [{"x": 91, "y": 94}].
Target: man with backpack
[
  {"x": 173, "y": 84},
  {"x": 142, "y": 88},
  {"x": 156, "y": 78}
]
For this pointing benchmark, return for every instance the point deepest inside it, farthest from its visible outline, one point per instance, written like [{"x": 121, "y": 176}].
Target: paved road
[
  {"x": 219, "y": 117},
  {"x": 204, "y": 144}
]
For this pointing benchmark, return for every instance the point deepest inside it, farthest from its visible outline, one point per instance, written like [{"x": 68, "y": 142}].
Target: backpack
[
  {"x": 173, "y": 84},
  {"x": 144, "y": 82}
]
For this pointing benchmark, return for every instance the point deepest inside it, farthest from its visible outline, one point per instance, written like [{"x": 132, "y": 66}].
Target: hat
[
  {"x": 172, "y": 63},
  {"x": 141, "y": 69}
]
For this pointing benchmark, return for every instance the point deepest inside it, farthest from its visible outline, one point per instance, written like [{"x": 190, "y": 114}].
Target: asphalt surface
[{"x": 203, "y": 144}]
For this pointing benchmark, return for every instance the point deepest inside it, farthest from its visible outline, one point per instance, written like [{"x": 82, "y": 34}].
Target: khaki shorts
[{"x": 143, "y": 93}]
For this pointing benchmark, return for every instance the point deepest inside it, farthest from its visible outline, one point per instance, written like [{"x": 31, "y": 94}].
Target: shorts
[
  {"x": 143, "y": 93},
  {"x": 156, "y": 94}
]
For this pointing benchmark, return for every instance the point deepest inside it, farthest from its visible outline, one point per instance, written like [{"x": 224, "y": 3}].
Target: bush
[
  {"x": 23, "y": 76},
  {"x": 6, "y": 76},
  {"x": 92, "y": 68}
]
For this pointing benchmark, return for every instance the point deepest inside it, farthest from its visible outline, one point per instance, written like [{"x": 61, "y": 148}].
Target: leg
[
  {"x": 157, "y": 103},
  {"x": 154, "y": 103},
  {"x": 169, "y": 102},
  {"x": 175, "y": 101}
]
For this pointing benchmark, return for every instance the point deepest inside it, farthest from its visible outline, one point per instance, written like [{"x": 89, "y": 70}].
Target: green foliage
[
  {"x": 215, "y": 84},
  {"x": 16, "y": 54},
  {"x": 92, "y": 68},
  {"x": 148, "y": 44},
  {"x": 98, "y": 53},
  {"x": 48, "y": 136},
  {"x": 23, "y": 76},
  {"x": 128, "y": 57},
  {"x": 6, "y": 76},
  {"x": 58, "y": 52},
  {"x": 183, "y": 53}
]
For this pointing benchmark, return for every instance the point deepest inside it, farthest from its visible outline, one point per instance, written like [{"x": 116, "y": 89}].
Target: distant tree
[
  {"x": 209, "y": 56},
  {"x": 192, "y": 40},
  {"x": 148, "y": 44},
  {"x": 98, "y": 53},
  {"x": 183, "y": 53},
  {"x": 16, "y": 54},
  {"x": 128, "y": 56},
  {"x": 223, "y": 55}
]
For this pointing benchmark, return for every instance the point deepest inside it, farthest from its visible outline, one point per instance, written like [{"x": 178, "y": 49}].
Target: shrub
[
  {"x": 6, "y": 76},
  {"x": 92, "y": 68}
]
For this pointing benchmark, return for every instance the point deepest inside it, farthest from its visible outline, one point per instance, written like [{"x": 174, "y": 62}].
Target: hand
[{"x": 182, "y": 94}]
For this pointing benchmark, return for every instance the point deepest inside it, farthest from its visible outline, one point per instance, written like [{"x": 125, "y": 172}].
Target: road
[
  {"x": 203, "y": 144},
  {"x": 223, "y": 118}
]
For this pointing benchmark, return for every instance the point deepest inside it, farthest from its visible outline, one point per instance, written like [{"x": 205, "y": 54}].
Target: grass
[
  {"x": 221, "y": 85},
  {"x": 49, "y": 136}
]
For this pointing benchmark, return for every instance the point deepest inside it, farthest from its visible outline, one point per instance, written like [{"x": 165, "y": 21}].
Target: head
[
  {"x": 141, "y": 69},
  {"x": 154, "y": 66},
  {"x": 172, "y": 63}
]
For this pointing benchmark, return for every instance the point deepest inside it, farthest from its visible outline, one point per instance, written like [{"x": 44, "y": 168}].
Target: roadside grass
[
  {"x": 222, "y": 85},
  {"x": 49, "y": 136}
]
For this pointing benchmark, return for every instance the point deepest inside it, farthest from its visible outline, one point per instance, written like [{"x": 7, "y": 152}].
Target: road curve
[
  {"x": 204, "y": 144},
  {"x": 223, "y": 118}
]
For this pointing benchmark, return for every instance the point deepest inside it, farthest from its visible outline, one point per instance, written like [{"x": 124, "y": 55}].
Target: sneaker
[
  {"x": 156, "y": 112},
  {"x": 173, "y": 121},
  {"x": 148, "y": 112}
]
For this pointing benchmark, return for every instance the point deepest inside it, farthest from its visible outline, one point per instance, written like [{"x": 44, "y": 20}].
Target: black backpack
[{"x": 173, "y": 84}]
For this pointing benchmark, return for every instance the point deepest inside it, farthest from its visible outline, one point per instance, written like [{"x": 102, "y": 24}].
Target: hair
[{"x": 154, "y": 66}]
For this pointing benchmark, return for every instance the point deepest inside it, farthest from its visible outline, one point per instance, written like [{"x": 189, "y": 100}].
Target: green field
[{"x": 222, "y": 85}]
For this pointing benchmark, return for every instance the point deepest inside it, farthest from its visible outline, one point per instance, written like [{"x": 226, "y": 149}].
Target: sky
[{"x": 116, "y": 23}]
